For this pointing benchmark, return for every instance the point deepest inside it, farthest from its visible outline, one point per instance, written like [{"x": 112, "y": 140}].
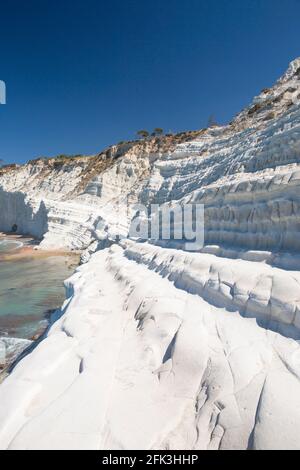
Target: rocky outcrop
[
  {"x": 137, "y": 361},
  {"x": 156, "y": 347}
]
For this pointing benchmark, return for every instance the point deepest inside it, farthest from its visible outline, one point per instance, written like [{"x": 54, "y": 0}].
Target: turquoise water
[{"x": 29, "y": 289}]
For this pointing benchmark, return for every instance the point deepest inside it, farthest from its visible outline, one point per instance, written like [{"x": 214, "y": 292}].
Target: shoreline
[{"x": 30, "y": 249}]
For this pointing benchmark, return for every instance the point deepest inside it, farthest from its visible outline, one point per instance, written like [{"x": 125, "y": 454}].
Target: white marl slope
[{"x": 157, "y": 347}]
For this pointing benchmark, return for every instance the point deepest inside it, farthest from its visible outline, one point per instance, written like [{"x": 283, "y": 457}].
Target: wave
[{"x": 10, "y": 349}]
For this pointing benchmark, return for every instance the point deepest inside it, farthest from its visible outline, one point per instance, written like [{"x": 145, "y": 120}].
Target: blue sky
[{"x": 82, "y": 75}]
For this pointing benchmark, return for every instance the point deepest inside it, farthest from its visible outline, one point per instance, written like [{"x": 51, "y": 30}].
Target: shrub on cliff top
[{"x": 143, "y": 134}]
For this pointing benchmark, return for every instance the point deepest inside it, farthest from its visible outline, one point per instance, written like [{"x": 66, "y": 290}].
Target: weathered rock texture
[{"x": 157, "y": 347}]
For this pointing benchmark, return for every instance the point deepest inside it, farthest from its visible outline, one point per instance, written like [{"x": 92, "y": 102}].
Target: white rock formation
[{"x": 156, "y": 347}]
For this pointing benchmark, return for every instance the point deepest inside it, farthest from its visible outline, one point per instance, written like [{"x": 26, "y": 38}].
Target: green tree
[
  {"x": 143, "y": 134},
  {"x": 158, "y": 131}
]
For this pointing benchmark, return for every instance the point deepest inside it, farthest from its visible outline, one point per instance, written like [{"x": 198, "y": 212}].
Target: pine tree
[{"x": 143, "y": 134}]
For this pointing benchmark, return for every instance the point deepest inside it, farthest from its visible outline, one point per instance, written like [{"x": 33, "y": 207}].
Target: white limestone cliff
[{"x": 156, "y": 347}]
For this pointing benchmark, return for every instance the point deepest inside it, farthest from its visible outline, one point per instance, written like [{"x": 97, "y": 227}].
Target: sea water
[{"x": 30, "y": 289}]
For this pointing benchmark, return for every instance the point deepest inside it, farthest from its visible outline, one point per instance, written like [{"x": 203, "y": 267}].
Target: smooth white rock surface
[{"x": 156, "y": 347}]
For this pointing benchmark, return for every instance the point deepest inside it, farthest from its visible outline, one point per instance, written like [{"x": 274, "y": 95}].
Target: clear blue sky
[{"x": 84, "y": 74}]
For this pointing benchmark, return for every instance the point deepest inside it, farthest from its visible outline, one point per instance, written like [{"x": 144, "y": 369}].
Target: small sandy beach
[{"x": 30, "y": 249}]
